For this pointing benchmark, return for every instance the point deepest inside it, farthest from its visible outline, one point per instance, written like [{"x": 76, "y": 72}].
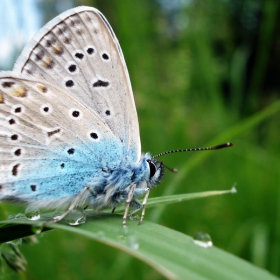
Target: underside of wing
[
  {"x": 79, "y": 52},
  {"x": 51, "y": 145}
]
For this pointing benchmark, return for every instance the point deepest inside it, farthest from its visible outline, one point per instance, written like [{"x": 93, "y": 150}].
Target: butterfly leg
[
  {"x": 128, "y": 200},
  {"x": 70, "y": 208},
  {"x": 144, "y": 206},
  {"x": 136, "y": 204}
]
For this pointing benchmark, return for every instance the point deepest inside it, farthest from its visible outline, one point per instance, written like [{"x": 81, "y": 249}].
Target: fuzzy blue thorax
[{"x": 113, "y": 186}]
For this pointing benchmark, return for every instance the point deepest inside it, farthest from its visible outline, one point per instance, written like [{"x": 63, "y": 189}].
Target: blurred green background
[{"x": 199, "y": 68}]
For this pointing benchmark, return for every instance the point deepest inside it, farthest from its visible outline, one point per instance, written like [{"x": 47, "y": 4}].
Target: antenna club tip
[
  {"x": 174, "y": 170},
  {"x": 221, "y": 146}
]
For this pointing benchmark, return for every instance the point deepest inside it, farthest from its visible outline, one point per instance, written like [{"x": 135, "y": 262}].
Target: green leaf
[
  {"x": 171, "y": 253},
  {"x": 163, "y": 200}
]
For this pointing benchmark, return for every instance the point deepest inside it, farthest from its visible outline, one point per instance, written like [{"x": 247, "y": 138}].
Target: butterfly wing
[
  {"x": 50, "y": 150},
  {"x": 79, "y": 52}
]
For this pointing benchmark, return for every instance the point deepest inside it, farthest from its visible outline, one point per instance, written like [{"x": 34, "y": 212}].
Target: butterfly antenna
[{"x": 221, "y": 146}]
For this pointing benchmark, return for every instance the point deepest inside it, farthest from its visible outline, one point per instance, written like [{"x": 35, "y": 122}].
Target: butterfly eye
[{"x": 153, "y": 168}]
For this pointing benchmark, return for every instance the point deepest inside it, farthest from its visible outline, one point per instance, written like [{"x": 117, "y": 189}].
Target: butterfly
[
  {"x": 69, "y": 132},
  {"x": 68, "y": 120}
]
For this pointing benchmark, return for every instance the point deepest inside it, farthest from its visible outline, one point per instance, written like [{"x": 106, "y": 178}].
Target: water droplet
[
  {"x": 33, "y": 215},
  {"x": 123, "y": 233},
  {"x": 37, "y": 228},
  {"x": 133, "y": 242},
  {"x": 203, "y": 240},
  {"x": 20, "y": 216},
  {"x": 100, "y": 234},
  {"x": 134, "y": 217},
  {"x": 76, "y": 217},
  {"x": 11, "y": 217},
  {"x": 57, "y": 214}
]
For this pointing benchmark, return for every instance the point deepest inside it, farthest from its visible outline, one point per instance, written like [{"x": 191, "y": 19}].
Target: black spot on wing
[
  {"x": 7, "y": 84},
  {"x": 100, "y": 83},
  {"x": 15, "y": 169},
  {"x": 51, "y": 133},
  {"x": 71, "y": 151}
]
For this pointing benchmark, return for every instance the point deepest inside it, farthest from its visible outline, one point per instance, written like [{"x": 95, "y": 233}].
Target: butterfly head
[{"x": 154, "y": 170}]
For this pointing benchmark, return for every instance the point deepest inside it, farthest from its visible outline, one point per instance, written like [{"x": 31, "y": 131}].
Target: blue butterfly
[
  {"x": 68, "y": 120},
  {"x": 69, "y": 132}
]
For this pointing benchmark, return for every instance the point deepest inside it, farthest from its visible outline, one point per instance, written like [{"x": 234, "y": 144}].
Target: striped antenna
[{"x": 221, "y": 146}]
